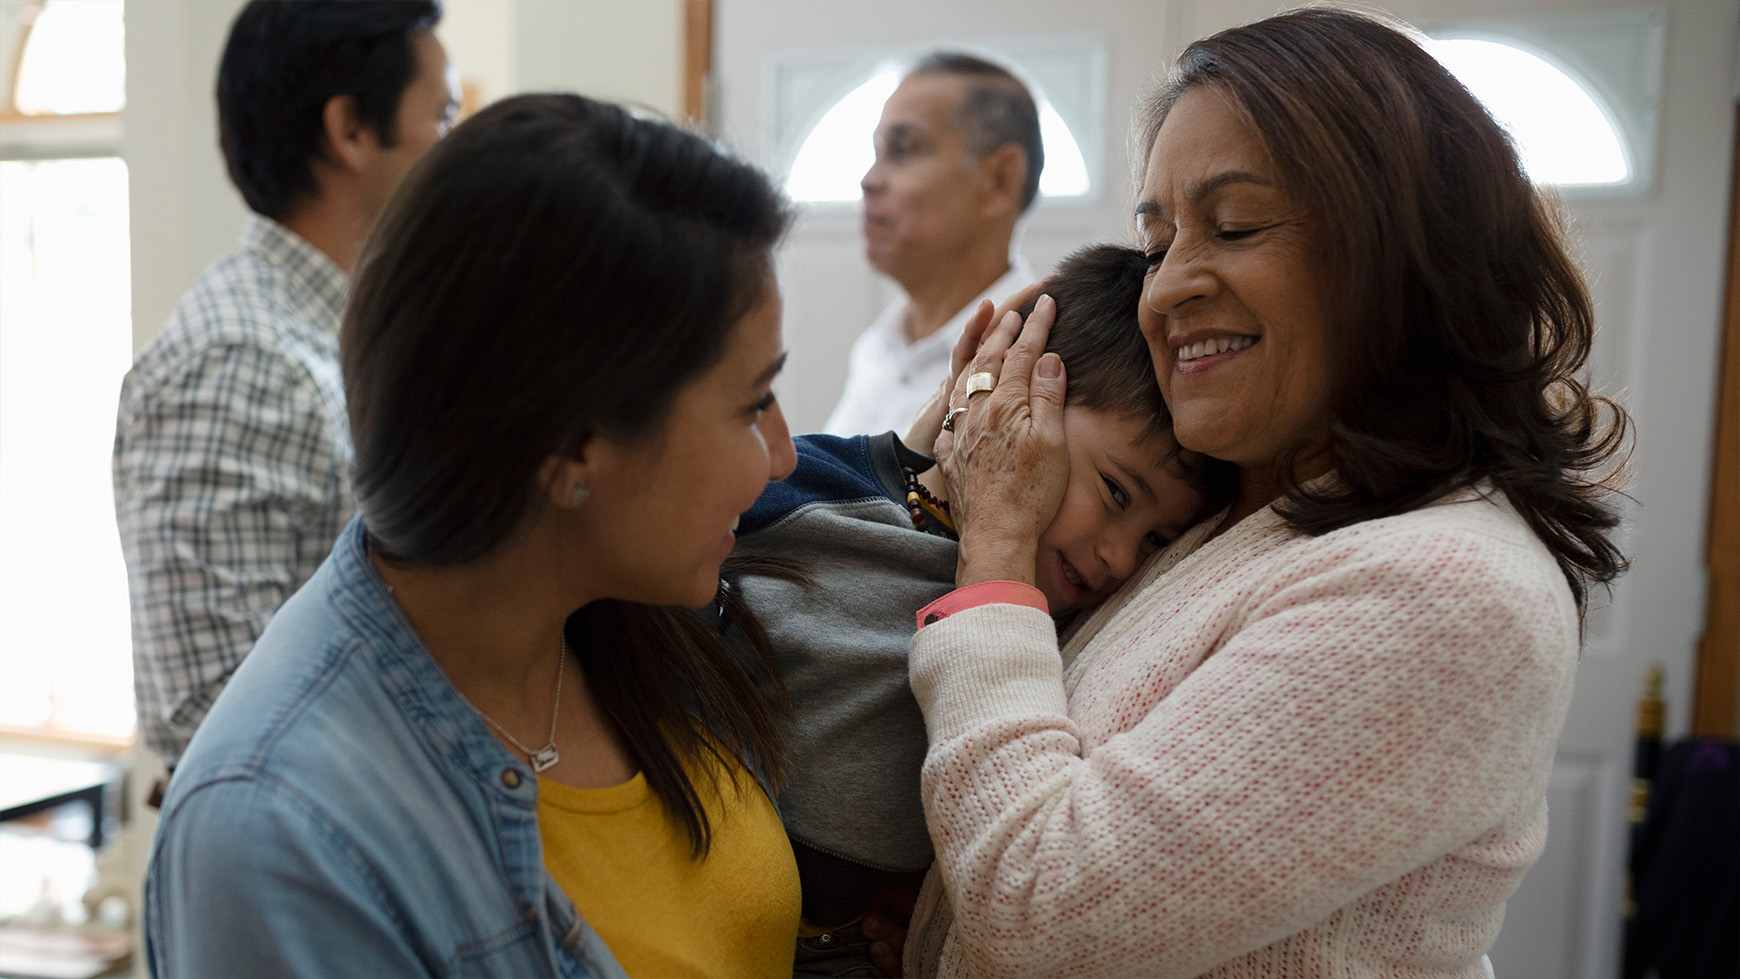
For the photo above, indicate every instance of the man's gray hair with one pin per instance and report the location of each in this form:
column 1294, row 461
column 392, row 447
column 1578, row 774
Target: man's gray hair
column 996, row 110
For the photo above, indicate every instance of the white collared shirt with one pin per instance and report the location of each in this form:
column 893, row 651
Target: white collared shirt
column 888, row 379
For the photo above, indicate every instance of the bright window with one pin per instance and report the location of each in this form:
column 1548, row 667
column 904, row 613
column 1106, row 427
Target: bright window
column 74, row 60
column 1562, row 131
column 65, row 343
column 835, row 154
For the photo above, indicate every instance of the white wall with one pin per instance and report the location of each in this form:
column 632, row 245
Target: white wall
column 184, row 212
column 626, row 52
column 479, row 38
column 610, row 49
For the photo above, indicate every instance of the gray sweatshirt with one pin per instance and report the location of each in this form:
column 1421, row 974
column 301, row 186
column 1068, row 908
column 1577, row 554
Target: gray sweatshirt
column 851, row 799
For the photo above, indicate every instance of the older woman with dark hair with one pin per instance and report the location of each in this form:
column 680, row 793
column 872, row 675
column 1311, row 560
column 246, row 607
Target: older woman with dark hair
column 1313, row 736
column 490, row 731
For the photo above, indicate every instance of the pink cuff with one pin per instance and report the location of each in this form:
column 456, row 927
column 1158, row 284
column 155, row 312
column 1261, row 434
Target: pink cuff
column 983, row 593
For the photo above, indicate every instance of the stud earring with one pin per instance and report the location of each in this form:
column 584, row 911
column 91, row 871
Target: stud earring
column 578, row 494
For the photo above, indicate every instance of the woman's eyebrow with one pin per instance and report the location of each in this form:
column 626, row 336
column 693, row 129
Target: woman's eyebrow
column 773, row 369
column 1202, row 190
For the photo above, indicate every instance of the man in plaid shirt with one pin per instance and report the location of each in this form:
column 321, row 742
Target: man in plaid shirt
column 232, row 452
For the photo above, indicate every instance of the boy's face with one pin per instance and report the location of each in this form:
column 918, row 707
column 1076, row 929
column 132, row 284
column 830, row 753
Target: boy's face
column 1120, row 506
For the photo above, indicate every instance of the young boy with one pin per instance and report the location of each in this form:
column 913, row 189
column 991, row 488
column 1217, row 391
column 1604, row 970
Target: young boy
column 835, row 560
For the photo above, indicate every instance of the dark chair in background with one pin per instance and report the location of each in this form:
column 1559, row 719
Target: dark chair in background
column 1685, row 867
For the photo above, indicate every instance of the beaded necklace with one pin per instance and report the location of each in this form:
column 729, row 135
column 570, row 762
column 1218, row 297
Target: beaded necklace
column 920, row 504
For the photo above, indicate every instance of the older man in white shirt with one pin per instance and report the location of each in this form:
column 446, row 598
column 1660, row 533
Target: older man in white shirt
column 958, row 158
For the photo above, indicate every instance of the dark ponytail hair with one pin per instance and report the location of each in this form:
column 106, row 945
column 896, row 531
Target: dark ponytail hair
column 558, row 268
column 1467, row 324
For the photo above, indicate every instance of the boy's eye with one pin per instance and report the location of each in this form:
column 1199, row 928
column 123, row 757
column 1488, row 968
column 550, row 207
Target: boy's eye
column 1121, row 498
column 761, row 405
column 1157, row 540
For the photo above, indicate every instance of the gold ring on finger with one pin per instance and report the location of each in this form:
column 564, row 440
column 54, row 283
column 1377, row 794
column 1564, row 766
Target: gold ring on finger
column 982, row 381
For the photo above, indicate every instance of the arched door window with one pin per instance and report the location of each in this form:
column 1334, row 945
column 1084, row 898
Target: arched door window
column 821, row 106
column 1565, row 135
column 837, row 151
column 71, row 59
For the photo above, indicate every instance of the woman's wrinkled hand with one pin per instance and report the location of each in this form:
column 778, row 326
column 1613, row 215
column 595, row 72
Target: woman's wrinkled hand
column 1005, row 459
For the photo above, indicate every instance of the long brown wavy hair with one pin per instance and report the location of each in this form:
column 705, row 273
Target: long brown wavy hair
column 1467, row 320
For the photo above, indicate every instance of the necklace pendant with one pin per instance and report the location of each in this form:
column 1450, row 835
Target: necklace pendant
column 544, row 757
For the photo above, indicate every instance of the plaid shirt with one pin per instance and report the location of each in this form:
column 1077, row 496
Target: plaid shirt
column 232, row 469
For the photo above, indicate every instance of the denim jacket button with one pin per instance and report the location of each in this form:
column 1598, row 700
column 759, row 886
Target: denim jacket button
column 826, row 939
column 532, row 912
column 510, row 777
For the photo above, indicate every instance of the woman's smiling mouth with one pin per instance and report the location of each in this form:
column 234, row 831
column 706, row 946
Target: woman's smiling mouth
column 1217, row 345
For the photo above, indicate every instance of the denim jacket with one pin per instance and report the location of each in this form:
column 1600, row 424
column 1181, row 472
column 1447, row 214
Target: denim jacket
column 341, row 811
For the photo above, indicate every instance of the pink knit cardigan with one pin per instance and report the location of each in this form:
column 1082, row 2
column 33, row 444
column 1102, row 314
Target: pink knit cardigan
column 1272, row 755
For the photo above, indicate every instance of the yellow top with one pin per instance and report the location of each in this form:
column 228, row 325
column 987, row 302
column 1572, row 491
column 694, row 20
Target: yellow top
column 625, row 864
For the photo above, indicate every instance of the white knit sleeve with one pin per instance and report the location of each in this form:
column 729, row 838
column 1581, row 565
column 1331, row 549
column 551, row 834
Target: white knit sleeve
column 1373, row 711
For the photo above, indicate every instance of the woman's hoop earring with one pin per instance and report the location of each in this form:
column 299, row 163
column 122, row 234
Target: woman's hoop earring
column 578, row 494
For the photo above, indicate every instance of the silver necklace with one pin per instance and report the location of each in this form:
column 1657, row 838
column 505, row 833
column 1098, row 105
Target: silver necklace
column 540, row 758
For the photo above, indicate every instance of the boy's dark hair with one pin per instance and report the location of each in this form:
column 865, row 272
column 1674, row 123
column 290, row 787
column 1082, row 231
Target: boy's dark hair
column 284, row 60
column 1106, row 359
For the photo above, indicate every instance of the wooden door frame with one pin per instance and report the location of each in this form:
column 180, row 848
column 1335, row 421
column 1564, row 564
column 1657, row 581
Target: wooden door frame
column 698, row 64
column 1716, row 700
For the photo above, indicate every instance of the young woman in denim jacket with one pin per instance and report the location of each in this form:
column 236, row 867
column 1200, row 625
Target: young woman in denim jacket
column 492, row 705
